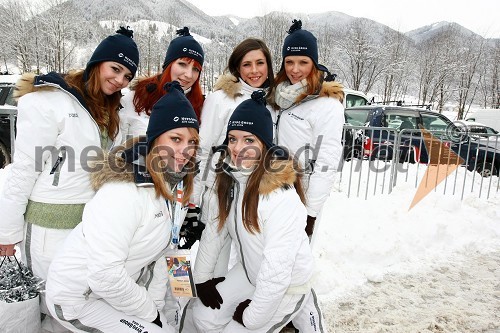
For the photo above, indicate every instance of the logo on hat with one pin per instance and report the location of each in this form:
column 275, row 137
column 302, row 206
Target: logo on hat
column 288, row 48
column 184, row 49
column 120, row 55
column 176, row 119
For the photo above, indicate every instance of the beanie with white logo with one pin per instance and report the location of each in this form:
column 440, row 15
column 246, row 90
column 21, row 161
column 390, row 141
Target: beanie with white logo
column 173, row 110
column 301, row 42
column 119, row 48
column 184, row 46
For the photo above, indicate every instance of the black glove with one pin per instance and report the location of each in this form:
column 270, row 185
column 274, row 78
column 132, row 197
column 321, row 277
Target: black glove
column 310, row 225
column 157, row 321
column 208, row 294
column 238, row 313
column 191, row 228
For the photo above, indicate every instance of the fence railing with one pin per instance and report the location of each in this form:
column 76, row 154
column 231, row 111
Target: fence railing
column 377, row 159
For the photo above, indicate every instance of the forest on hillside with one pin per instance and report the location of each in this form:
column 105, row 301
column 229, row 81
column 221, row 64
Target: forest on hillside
column 451, row 65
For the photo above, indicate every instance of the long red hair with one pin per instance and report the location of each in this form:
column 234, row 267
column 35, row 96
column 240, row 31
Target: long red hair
column 149, row 90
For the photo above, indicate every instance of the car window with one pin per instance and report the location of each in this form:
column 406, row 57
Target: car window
column 356, row 117
column 354, row 100
column 400, row 121
column 6, row 93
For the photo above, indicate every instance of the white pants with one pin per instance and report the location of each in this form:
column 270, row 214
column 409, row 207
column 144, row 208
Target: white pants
column 303, row 310
column 37, row 250
column 98, row 316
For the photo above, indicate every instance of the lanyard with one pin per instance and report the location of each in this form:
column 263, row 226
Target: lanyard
column 176, row 210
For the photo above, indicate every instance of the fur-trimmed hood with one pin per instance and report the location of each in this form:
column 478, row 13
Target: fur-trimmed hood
column 112, row 168
column 283, row 175
column 333, row 90
column 30, row 82
column 229, row 84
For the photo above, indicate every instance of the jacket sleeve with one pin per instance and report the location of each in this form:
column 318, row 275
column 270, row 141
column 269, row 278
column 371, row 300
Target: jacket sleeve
column 110, row 220
column 211, row 243
column 284, row 220
column 37, row 130
column 157, row 285
column 213, row 123
column 131, row 124
column 327, row 138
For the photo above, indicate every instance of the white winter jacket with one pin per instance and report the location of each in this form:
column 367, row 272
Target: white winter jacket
column 48, row 116
column 131, row 123
column 117, row 252
column 218, row 107
column 276, row 260
column 312, row 131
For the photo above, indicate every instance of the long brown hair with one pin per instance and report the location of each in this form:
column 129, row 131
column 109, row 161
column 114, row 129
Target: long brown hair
column 103, row 108
column 225, row 191
column 157, row 168
column 149, row 90
column 314, row 83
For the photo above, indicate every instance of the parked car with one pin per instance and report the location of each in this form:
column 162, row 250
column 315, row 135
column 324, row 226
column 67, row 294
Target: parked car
column 391, row 127
column 485, row 134
column 7, row 108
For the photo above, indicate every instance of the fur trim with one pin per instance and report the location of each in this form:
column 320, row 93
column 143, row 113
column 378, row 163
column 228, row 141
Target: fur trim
column 113, row 168
column 24, row 85
column 283, row 175
column 333, row 90
column 229, row 84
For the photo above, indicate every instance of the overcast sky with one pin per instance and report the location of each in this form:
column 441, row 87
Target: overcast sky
column 480, row 16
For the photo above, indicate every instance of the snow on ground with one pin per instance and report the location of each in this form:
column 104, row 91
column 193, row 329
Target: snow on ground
column 384, row 268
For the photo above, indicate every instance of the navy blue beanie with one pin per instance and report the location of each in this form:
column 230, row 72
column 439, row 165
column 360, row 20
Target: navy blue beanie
column 119, row 48
column 252, row 116
column 184, row 46
column 301, row 43
column 173, row 110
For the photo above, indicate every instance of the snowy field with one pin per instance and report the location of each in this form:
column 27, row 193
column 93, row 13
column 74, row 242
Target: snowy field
column 384, row 268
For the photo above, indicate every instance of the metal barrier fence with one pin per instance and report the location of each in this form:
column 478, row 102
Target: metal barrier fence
column 376, row 159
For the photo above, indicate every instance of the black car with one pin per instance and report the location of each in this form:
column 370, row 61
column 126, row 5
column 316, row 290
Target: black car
column 392, row 129
column 7, row 112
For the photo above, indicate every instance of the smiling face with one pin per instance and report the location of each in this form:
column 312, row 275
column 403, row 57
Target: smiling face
column 298, row 68
column 185, row 71
column 253, row 68
column 176, row 147
column 113, row 77
column 245, row 148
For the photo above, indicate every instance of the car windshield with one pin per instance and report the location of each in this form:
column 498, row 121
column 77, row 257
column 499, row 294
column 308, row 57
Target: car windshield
column 356, row 117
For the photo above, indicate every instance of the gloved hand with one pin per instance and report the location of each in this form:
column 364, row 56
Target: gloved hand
column 157, row 321
column 208, row 294
column 191, row 228
column 238, row 313
column 310, row 225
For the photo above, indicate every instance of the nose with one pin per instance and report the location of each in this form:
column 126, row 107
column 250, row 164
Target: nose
column 254, row 68
column 120, row 79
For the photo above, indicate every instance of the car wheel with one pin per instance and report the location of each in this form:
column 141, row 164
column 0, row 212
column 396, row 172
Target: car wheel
column 4, row 156
column 487, row 169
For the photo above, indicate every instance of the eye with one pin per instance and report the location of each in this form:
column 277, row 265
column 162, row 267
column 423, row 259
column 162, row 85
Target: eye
column 196, row 69
column 115, row 69
column 232, row 140
column 175, row 139
column 128, row 77
column 193, row 142
column 249, row 140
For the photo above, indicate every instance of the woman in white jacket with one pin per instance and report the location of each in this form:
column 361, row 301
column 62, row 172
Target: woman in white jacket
column 260, row 206
column 183, row 63
column 63, row 122
column 111, row 275
column 308, row 117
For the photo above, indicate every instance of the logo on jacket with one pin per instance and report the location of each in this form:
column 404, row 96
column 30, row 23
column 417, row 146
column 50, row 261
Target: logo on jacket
column 160, row 214
column 294, row 116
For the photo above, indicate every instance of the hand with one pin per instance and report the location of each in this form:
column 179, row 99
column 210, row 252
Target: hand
column 191, row 228
column 238, row 313
column 7, row 250
column 208, row 294
column 310, row 225
column 157, row 321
